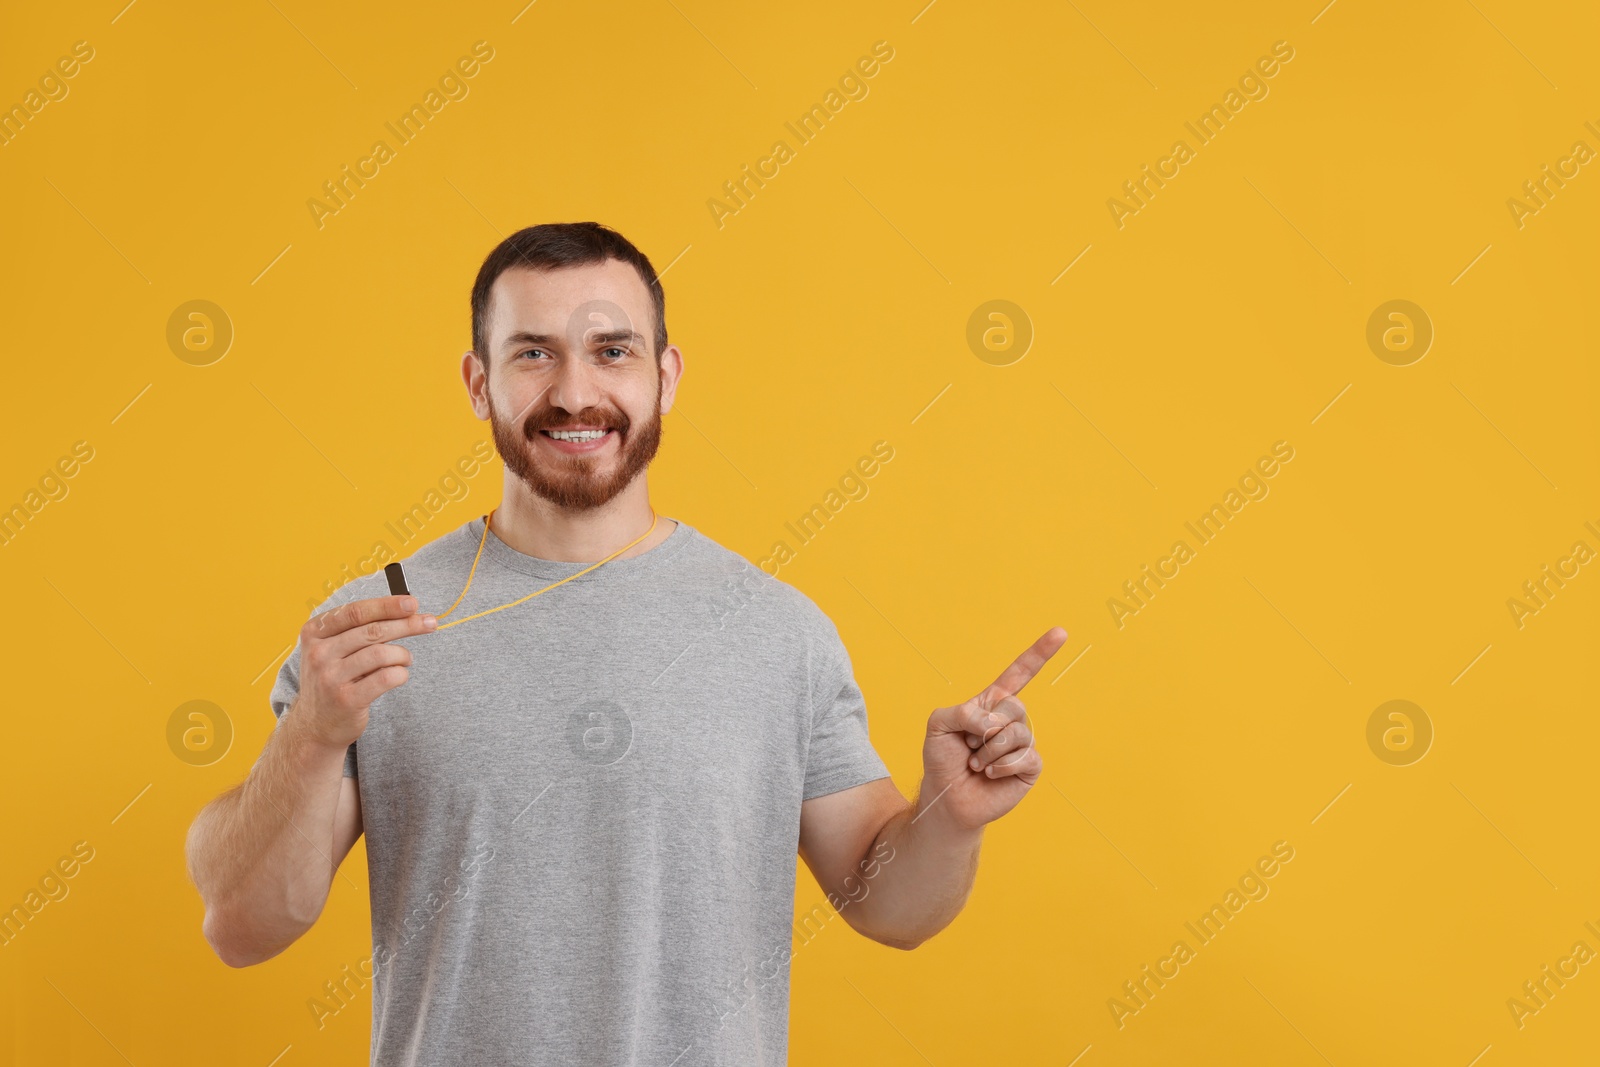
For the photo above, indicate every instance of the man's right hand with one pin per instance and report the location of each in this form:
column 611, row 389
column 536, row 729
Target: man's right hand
column 346, row 662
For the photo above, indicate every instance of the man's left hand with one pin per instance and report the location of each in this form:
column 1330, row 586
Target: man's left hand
column 978, row 760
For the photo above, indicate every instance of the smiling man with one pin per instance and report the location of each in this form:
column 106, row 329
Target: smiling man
column 583, row 773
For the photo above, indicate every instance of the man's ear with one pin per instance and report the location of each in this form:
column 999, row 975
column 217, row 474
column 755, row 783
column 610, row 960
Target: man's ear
column 473, row 375
column 671, row 371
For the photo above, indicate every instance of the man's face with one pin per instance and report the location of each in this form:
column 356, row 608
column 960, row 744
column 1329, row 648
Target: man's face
column 570, row 353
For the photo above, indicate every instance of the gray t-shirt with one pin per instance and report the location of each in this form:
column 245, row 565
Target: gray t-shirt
column 582, row 813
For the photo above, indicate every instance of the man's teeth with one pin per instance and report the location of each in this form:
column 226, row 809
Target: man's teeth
column 577, row 435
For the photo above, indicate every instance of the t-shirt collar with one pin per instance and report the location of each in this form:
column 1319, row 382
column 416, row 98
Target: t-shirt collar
column 503, row 554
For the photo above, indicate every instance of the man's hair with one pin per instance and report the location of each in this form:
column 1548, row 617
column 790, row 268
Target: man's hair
column 553, row 245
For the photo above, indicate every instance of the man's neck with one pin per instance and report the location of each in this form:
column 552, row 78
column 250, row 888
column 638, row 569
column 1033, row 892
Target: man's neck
column 535, row 527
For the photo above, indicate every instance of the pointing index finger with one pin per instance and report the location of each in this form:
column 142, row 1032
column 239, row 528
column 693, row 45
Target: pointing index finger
column 1021, row 672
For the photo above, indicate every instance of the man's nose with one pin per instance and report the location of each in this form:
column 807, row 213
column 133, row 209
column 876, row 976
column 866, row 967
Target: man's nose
column 575, row 387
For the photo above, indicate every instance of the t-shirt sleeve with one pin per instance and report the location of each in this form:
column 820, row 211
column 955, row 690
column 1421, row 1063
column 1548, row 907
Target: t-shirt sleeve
column 287, row 687
column 841, row 754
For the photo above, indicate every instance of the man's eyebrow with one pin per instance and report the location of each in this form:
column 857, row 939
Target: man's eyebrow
column 524, row 337
column 611, row 337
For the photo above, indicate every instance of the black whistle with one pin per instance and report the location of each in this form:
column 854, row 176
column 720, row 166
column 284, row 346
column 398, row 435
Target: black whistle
column 397, row 579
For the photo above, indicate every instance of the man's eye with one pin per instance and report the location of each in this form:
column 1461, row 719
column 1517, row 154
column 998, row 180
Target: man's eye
column 532, row 351
column 619, row 351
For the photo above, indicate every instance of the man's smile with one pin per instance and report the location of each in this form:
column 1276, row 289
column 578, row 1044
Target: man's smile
column 580, row 441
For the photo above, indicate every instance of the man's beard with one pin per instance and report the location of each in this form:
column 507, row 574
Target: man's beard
column 571, row 481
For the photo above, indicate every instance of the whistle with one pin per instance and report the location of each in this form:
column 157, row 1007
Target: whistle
column 397, row 579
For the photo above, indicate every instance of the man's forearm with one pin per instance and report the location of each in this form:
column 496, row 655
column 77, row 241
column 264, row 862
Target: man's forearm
column 261, row 855
column 916, row 877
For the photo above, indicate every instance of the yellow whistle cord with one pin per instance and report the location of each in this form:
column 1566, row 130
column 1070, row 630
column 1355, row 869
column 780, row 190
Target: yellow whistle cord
column 530, row 596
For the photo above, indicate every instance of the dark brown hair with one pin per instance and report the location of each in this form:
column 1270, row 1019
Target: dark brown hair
column 552, row 245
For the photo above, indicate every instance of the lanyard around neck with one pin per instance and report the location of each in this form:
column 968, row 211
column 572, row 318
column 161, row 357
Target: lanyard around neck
column 482, row 540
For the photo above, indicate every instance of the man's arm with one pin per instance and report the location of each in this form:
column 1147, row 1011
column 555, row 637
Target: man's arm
column 899, row 872
column 263, row 855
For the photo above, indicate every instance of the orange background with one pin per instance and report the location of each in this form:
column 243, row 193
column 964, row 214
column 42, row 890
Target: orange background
column 831, row 311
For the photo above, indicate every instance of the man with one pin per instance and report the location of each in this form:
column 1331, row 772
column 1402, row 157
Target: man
column 582, row 786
